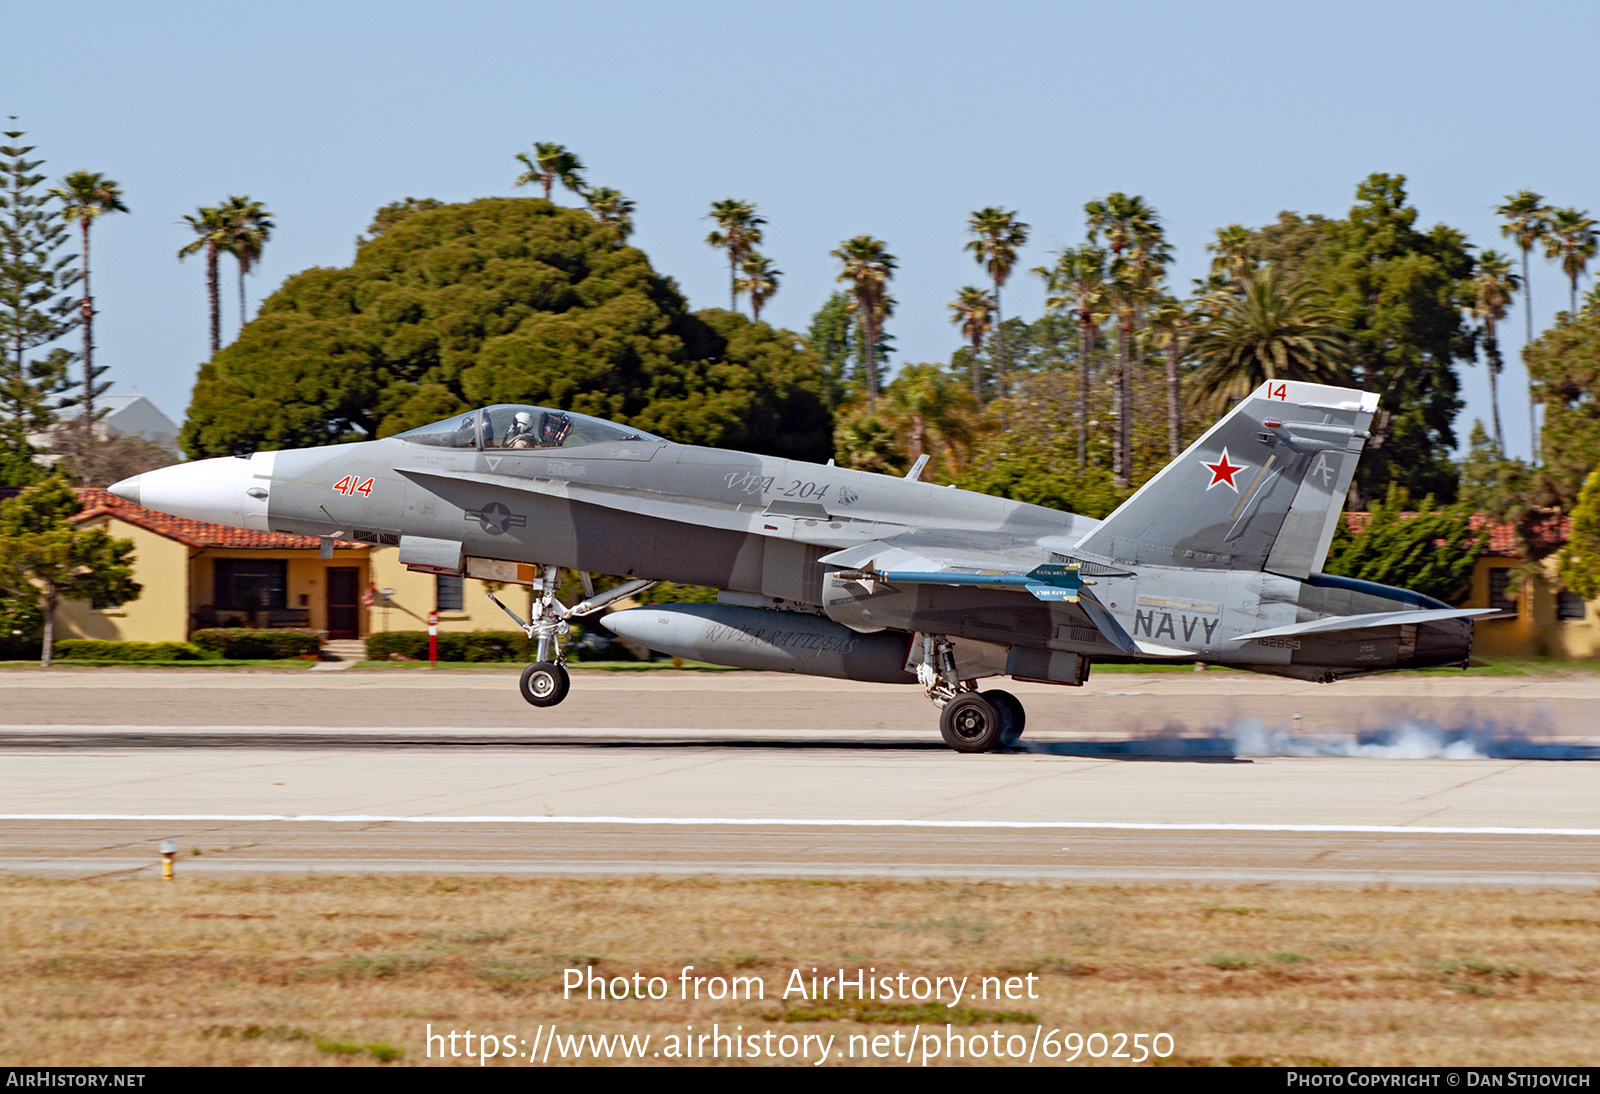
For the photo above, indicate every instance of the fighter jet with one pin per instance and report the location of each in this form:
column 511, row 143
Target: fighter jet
column 842, row 573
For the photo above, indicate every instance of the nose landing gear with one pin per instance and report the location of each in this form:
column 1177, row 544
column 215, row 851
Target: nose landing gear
column 546, row 682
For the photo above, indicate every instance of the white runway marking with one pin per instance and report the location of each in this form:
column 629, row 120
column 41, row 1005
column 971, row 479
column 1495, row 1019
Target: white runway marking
column 1378, row 829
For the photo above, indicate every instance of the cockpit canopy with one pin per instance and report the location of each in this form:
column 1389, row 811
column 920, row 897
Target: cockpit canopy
column 516, row 427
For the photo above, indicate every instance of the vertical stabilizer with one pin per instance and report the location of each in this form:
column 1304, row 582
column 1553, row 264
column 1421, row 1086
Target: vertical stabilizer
column 1261, row 490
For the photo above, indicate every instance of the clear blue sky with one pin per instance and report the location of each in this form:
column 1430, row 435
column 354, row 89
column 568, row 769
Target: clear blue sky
column 894, row 119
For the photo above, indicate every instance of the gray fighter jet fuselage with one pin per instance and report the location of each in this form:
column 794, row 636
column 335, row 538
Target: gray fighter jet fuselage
column 844, row 573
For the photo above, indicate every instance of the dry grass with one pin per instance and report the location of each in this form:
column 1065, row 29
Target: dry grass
column 350, row 970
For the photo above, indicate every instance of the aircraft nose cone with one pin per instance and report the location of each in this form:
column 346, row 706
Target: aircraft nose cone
column 127, row 489
column 216, row 491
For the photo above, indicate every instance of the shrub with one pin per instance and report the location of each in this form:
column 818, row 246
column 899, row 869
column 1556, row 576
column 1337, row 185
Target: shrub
column 485, row 647
column 78, row 649
column 245, row 644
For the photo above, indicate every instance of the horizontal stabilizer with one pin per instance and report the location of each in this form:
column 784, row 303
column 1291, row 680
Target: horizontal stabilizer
column 1368, row 622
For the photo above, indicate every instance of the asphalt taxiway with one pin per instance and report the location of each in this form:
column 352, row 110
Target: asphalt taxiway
column 1204, row 777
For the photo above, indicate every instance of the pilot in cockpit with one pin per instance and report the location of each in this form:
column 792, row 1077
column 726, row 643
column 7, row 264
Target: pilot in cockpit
column 551, row 431
column 521, row 434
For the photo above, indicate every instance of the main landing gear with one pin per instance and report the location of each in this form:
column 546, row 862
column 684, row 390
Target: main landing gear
column 546, row 682
column 969, row 720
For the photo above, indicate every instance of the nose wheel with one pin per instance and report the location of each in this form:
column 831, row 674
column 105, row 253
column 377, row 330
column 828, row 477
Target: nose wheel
column 545, row 683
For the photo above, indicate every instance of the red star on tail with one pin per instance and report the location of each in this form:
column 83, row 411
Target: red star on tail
column 1223, row 472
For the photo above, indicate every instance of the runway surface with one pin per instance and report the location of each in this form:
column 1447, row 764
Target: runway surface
column 1430, row 780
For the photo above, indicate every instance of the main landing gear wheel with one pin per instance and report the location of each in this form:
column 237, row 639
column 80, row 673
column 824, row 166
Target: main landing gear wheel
column 545, row 683
column 1012, row 717
column 971, row 723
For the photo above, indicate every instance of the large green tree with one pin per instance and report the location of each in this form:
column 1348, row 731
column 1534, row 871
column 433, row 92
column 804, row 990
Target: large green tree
column 1400, row 291
column 35, row 306
column 1564, row 364
column 502, row 300
column 1580, row 559
column 1034, row 460
column 1425, row 548
column 44, row 554
column 835, row 338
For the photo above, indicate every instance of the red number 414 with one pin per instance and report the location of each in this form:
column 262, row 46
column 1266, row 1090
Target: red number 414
column 354, row 484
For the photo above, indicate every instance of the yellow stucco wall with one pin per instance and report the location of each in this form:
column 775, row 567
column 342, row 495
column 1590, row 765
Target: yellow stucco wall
column 1537, row 631
column 414, row 598
column 177, row 580
column 305, row 582
column 161, row 614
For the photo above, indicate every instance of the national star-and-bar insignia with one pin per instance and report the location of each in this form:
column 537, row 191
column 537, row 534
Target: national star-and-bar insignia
column 1223, row 471
column 496, row 519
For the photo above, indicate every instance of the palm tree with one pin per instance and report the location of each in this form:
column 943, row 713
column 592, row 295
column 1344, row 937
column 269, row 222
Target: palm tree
column 1276, row 329
column 1078, row 283
column 249, row 228
column 1493, row 285
column 610, row 207
column 868, row 266
column 1526, row 221
column 760, row 281
column 1139, row 253
column 972, row 311
column 1124, row 296
column 998, row 234
column 1572, row 239
column 738, row 231
column 1168, row 327
column 549, row 163
column 212, row 234
column 85, row 195
column 933, row 410
column 1232, row 249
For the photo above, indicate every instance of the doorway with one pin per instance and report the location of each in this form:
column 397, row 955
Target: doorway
column 344, row 583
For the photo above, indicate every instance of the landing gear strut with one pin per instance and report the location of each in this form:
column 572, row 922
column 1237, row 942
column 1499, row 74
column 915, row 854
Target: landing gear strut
column 546, row 682
column 969, row 720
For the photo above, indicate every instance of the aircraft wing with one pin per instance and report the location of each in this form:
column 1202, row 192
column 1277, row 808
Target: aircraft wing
column 1368, row 622
column 894, row 562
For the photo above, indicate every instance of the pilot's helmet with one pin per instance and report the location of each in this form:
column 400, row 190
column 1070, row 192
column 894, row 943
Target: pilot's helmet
column 524, row 421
